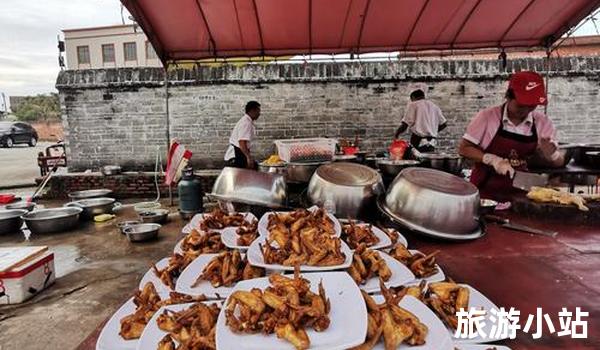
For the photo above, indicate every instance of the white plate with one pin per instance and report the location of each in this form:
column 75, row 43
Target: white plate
column 152, row 335
column 109, row 338
column 255, row 257
column 195, row 222
column 150, row 276
column 479, row 301
column 264, row 222
column 437, row 336
column 190, row 274
column 400, row 275
column 229, row 238
column 384, row 240
column 344, row 332
column 459, row 346
column 438, row 277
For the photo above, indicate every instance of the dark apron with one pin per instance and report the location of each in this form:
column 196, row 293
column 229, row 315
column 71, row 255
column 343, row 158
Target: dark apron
column 514, row 147
column 239, row 161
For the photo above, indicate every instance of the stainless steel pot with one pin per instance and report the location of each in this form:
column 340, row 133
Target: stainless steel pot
column 109, row 170
column 433, row 203
column 451, row 163
column 302, row 172
column 11, row 221
column 95, row 206
column 158, row 216
column 142, row 232
column 86, row 194
column 391, row 168
column 52, row 220
column 350, row 189
column 249, row 187
column 29, row 206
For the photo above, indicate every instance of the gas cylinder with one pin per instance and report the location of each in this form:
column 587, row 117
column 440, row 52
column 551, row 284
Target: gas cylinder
column 190, row 194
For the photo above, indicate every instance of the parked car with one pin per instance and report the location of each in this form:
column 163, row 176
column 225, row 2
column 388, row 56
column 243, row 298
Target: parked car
column 12, row 133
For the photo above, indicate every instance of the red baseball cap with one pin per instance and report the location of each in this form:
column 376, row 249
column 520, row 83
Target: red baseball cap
column 529, row 88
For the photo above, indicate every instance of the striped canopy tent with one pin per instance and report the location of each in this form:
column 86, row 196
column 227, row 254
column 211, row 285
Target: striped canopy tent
column 193, row 30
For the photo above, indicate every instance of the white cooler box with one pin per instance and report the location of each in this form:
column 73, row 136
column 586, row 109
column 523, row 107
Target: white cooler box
column 24, row 272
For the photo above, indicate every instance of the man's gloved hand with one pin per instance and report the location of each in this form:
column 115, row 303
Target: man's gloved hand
column 548, row 149
column 501, row 165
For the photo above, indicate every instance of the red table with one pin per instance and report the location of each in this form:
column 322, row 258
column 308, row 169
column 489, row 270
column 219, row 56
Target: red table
column 524, row 271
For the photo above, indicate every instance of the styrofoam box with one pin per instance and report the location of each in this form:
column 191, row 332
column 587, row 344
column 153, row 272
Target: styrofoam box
column 25, row 281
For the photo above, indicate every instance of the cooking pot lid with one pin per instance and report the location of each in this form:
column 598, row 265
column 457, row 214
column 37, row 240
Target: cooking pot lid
column 347, row 174
column 438, row 180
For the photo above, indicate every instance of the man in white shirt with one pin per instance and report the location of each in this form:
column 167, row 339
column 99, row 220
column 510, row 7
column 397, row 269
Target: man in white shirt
column 238, row 152
column 424, row 119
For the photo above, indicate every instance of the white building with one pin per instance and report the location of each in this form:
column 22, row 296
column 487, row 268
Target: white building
column 109, row 47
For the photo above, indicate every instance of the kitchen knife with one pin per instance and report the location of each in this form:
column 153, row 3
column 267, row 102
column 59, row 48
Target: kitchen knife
column 519, row 227
column 524, row 180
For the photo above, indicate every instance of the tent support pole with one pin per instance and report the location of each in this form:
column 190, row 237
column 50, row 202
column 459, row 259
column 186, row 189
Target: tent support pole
column 168, row 122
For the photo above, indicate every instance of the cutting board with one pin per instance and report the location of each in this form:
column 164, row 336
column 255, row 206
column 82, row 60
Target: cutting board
column 556, row 212
column 12, row 257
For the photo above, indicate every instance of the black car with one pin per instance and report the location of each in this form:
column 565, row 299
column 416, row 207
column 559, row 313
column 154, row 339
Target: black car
column 12, row 133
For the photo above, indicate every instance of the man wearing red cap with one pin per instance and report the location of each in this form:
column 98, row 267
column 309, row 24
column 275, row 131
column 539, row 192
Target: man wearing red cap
column 502, row 139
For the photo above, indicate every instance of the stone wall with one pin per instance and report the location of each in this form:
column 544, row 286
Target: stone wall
column 119, row 116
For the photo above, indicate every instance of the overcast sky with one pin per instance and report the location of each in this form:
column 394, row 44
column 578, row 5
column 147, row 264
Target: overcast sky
column 28, row 30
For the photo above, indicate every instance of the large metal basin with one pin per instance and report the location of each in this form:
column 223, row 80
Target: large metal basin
column 351, row 188
column 433, row 203
column 391, row 168
column 94, row 206
column 52, row 220
column 302, row 172
column 250, row 187
column 86, row 194
column 10, row 220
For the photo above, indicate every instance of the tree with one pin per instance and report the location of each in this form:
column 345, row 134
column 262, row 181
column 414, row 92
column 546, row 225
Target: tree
column 38, row 108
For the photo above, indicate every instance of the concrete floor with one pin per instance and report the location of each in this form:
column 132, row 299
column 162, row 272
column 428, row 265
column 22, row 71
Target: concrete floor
column 18, row 165
column 97, row 269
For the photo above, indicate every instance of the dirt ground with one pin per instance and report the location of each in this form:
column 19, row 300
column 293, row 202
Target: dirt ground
column 97, row 269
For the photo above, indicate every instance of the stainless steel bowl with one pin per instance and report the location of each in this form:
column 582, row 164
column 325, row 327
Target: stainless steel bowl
column 122, row 224
column 142, row 232
column 302, row 172
column 391, row 168
column 11, row 221
column 94, row 206
column 487, row 206
column 52, row 220
column 86, row 194
column 158, row 216
column 434, row 203
column 29, row 206
column 351, row 188
column 451, row 163
column 109, row 170
column 249, row 187
column 273, row 169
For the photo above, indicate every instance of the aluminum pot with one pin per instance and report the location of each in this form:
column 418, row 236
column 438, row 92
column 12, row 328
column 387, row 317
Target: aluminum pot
column 302, row 172
column 142, row 232
column 391, row 168
column 451, row 163
column 29, row 206
column 252, row 187
column 86, row 194
column 52, row 220
column 11, row 221
column 109, row 170
column 95, row 206
column 158, row 216
column 433, row 203
column 349, row 189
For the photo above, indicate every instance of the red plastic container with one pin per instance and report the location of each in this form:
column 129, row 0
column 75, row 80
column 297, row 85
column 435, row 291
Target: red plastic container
column 6, row 198
column 397, row 149
column 350, row 150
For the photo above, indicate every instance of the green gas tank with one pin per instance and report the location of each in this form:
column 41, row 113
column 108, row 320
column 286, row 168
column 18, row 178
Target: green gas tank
column 190, row 194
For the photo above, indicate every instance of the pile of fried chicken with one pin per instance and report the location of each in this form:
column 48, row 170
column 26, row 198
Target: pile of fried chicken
column 302, row 237
column 247, row 233
column 391, row 322
column 169, row 274
column 550, row 195
column 446, row 298
column 421, row 265
column 228, row 268
column 355, row 235
column 201, row 242
column 219, row 219
column 367, row 263
column 192, row 328
column 147, row 302
column 285, row 308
